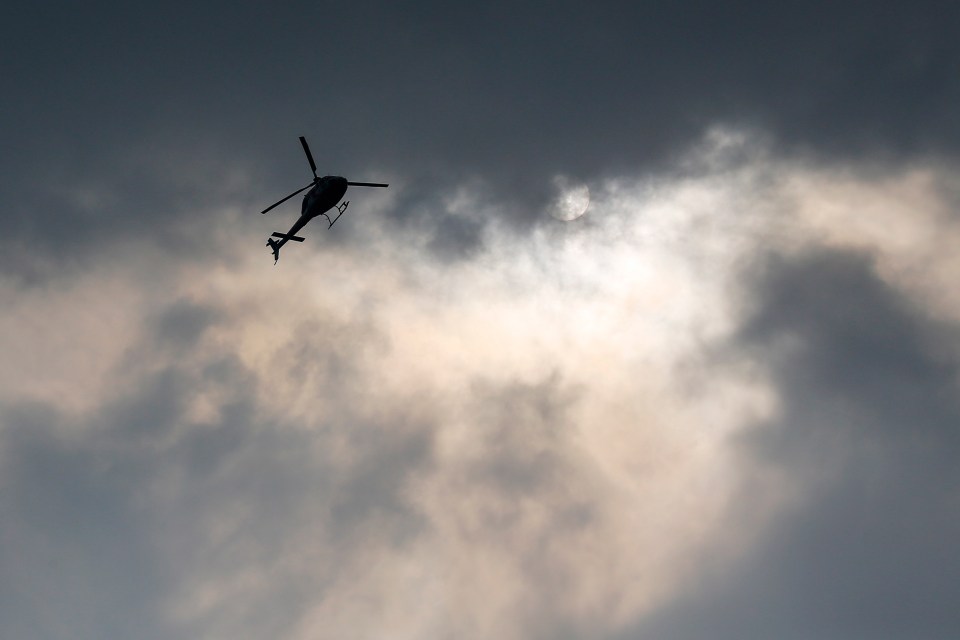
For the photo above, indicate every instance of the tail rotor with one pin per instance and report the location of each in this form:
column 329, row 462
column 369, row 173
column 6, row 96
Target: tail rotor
column 275, row 246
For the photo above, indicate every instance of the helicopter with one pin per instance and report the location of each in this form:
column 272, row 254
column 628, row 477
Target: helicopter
column 324, row 195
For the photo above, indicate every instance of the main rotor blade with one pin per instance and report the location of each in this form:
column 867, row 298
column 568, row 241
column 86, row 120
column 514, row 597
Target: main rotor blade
column 367, row 184
column 287, row 198
column 306, row 150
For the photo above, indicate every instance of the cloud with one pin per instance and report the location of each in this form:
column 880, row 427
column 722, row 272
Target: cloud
column 288, row 452
column 118, row 140
column 173, row 494
column 717, row 404
column 643, row 422
column 865, row 437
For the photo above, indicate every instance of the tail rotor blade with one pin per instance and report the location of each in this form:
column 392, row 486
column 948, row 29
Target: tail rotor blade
column 367, row 184
column 306, row 150
column 279, row 202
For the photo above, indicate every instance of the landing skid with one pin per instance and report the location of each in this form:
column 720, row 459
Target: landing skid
column 341, row 208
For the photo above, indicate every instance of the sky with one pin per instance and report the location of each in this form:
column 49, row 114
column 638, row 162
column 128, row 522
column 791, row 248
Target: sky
column 654, row 335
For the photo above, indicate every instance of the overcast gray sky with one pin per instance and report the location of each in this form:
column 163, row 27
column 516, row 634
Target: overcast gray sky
column 655, row 334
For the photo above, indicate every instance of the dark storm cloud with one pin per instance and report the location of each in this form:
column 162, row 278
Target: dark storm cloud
column 437, row 94
column 868, row 436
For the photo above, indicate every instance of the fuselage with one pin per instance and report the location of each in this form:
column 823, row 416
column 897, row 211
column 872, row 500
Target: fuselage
column 323, row 196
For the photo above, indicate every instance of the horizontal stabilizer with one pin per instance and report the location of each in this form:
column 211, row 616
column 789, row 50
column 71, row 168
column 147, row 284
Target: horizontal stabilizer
column 277, row 234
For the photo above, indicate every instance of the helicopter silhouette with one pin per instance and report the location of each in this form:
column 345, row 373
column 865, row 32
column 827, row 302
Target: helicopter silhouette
column 325, row 194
